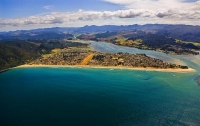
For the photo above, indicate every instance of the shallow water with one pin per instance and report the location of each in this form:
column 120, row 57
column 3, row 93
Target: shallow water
column 100, row 97
column 111, row 48
column 80, row 96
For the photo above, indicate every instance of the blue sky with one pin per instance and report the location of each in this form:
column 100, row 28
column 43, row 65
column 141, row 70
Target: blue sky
column 23, row 8
column 29, row 14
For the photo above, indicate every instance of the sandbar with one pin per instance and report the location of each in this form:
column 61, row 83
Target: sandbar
column 189, row 70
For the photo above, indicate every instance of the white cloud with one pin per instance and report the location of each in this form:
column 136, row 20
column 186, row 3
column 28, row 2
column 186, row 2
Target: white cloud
column 136, row 11
column 155, row 4
column 81, row 15
column 48, row 7
column 67, row 17
column 165, row 9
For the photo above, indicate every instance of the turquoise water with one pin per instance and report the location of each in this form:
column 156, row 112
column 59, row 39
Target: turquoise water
column 100, row 97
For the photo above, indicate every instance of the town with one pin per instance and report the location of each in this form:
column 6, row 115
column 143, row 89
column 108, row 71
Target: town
column 85, row 56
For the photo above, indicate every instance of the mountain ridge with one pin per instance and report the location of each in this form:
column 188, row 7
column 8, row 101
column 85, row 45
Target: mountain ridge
column 189, row 33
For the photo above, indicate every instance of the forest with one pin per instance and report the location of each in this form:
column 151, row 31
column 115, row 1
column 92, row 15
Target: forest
column 18, row 52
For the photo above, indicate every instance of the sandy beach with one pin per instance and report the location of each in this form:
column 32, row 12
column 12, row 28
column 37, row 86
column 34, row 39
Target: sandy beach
column 82, row 41
column 114, row 67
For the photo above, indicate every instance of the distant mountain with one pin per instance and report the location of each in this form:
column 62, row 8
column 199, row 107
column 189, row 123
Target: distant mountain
column 55, row 29
column 36, row 34
column 113, row 28
column 92, row 28
column 182, row 32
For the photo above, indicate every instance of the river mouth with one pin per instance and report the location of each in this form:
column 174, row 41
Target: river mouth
column 192, row 61
column 176, row 59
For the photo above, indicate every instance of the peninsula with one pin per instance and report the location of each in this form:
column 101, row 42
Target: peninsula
column 85, row 57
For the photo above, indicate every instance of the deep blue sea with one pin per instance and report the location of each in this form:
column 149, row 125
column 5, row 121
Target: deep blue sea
column 100, row 97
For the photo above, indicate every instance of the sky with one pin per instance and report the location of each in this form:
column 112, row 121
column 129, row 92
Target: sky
column 32, row 14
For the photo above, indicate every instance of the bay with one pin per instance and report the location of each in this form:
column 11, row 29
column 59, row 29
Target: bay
column 100, row 97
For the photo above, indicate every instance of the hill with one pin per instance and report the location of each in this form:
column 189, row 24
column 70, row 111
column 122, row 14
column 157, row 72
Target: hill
column 183, row 32
column 18, row 52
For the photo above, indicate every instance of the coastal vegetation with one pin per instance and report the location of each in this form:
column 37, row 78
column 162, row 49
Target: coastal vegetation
column 18, row 52
column 147, row 40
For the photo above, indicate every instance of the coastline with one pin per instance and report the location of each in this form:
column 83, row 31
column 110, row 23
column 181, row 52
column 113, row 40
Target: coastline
column 82, row 41
column 1, row 71
column 189, row 70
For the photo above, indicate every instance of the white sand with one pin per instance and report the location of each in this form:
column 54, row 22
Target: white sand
column 115, row 67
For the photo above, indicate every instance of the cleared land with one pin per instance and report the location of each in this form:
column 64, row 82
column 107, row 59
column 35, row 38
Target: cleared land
column 87, row 59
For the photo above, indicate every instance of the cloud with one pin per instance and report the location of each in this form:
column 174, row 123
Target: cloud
column 155, row 4
column 160, row 6
column 67, row 17
column 164, row 11
column 48, row 7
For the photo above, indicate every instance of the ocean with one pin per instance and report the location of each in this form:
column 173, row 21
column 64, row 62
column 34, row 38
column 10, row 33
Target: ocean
column 100, row 97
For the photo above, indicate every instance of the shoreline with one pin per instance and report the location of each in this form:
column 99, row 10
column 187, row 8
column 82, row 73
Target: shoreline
column 162, row 51
column 82, row 41
column 1, row 71
column 189, row 70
